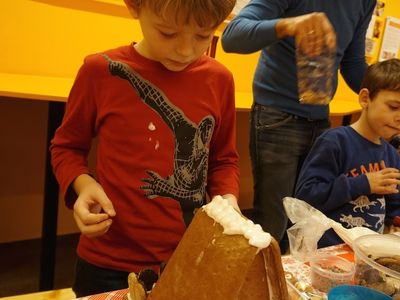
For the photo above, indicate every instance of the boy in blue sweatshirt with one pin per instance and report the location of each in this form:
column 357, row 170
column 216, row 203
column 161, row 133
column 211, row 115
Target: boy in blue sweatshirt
column 352, row 173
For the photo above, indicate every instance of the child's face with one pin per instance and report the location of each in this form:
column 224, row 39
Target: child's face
column 174, row 46
column 383, row 113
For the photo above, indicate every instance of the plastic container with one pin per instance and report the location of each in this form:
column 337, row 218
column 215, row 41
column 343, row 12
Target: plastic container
column 376, row 256
column 355, row 292
column 328, row 271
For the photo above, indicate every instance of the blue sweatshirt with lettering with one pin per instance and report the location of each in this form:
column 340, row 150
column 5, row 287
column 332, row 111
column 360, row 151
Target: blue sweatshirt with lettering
column 333, row 180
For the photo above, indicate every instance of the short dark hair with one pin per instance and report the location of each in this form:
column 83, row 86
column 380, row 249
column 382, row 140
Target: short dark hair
column 384, row 75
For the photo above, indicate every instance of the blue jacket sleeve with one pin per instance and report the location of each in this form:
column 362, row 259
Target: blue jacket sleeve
column 353, row 65
column 322, row 182
column 254, row 27
column 393, row 206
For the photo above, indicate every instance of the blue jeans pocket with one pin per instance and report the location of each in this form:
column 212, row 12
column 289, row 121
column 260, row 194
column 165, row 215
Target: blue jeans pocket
column 268, row 117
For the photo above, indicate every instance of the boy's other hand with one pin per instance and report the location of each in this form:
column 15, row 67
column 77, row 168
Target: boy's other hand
column 384, row 181
column 232, row 201
column 394, row 229
column 93, row 210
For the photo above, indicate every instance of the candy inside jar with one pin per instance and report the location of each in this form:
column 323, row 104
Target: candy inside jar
column 328, row 271
column 315, row 76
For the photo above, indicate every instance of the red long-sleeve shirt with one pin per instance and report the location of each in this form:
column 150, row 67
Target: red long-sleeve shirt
column 164, row 139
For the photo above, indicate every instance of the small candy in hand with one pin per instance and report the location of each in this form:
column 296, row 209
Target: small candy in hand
column 148, row 278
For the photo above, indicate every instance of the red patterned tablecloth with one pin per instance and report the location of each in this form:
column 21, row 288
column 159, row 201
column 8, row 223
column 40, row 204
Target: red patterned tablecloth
column 297, row 268
column 115, row 295
column 302, row 271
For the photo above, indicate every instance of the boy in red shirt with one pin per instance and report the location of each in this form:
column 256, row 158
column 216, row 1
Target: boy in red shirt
column 164, row 116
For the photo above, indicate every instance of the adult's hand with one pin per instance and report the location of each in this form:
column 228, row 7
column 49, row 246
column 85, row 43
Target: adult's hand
column 312, row 32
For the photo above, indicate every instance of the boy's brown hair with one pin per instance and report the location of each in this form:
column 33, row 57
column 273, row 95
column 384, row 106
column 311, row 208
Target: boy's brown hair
column 206, row 13
column 383, row 75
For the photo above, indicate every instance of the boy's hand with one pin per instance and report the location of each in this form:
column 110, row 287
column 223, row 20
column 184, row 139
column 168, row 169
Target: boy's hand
column 394, row 229
column 384, row 181
column 92, row 210
column 232, row 201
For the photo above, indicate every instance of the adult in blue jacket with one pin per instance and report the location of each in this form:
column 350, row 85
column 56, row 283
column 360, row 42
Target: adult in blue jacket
column 282, row 130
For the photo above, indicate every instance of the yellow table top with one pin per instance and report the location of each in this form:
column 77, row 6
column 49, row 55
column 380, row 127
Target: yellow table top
column 57, row 89
column 35, row 87
column 341, row 107
column 337, row 107
column 62, row 294
column 243, row 100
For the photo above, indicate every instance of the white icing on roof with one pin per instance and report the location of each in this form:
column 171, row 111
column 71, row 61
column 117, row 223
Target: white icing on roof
column 233, row 223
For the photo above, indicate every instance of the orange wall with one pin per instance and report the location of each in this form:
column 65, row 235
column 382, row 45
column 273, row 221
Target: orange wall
column 51, row 37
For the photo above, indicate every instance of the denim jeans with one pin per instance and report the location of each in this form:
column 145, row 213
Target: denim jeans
column 91, row 279
column 279, row 143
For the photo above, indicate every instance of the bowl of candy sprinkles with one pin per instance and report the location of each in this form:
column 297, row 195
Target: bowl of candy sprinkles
column 328, row 271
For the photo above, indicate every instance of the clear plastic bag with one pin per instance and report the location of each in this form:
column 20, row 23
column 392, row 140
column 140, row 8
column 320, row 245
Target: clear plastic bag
column 315, row 76
column 309, row 226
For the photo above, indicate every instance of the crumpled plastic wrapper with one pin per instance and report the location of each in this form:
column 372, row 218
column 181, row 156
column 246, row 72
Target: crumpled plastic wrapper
column 309, row 226
column 315, row 76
